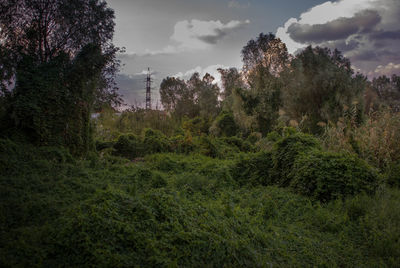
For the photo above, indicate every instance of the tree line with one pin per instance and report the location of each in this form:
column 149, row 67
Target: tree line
column 309, row 90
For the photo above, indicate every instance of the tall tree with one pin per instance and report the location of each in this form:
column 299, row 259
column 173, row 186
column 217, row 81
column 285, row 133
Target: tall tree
column 190, row 98
column 263, row 60
column 177, row 97
column 267, row 51
column 321, row 87
column 45, row 29
column 60, row 55
column 206, row 94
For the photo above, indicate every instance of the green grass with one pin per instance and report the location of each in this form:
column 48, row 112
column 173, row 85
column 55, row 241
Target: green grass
column 180, row 210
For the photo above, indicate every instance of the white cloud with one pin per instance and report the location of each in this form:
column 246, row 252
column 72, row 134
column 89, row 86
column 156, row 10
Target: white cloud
column 197, row 35
column 388, row 69
column 366, row 31
column 321, row 14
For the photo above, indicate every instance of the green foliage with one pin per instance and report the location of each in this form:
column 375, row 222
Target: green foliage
column 129, row 146
column 262, row 100
column 285, row 152
column 182, row 143
column 155, row 141
column 320, row 87
column 393, row 175
column 196, row 126
column 181, row 210
column 195, row 97
column 51, row 111
column 224, row 125
column 326, row 175
column 253, row 169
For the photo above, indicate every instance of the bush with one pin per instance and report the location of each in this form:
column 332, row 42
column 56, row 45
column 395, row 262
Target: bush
column 155, row 141
column 182, row 143
column 327, row 175
column 393, row 175
column 197, row 126
column 253, row 169
column 224, row 125
column 129, row 146
column 242, row 145
column 254, row 137
column 101, row 145
column 377, row 140
column 285, row 152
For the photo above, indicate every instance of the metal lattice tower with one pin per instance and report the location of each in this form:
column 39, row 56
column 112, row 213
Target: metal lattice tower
column 148, row 89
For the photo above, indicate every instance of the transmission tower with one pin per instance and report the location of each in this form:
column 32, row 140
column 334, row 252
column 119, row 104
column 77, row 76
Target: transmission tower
column 148, row 89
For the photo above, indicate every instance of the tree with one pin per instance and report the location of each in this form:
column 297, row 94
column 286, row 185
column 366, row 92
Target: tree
column 191, row 98
column 388, row 90
column 231, row 80
column 53, row 101
column 262, row 99
column 177, row 97
column 267, row 51
column 320, row 87
column 60, row 55
column 206, row 94
column 46, row 29
column 263, row 61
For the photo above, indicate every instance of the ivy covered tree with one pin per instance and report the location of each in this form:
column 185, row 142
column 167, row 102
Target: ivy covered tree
column 58, row 65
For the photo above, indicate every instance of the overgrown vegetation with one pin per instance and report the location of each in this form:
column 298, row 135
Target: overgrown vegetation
column 295, row 162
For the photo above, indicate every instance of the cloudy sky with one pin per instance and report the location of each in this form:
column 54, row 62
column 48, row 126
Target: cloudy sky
column 179, row 37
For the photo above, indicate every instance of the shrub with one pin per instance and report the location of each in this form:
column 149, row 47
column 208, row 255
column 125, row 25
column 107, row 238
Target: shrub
column 254, row 137
column 253, row 169
column 285, row 152
column 207, row 146
column 197, row 126
column 393, row 175
column 101, row 145
column 328, row 175
column 224, row 125
column 242, row 145
column 155, row 141
column 182, row 143
column 129, row 146
column 377, row 140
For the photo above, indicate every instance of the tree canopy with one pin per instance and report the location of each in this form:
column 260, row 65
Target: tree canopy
column 57, row 65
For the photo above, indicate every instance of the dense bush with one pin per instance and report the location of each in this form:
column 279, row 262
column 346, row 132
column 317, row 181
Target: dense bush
column 182, row 143
column 224, row 125
column 327, row 175
column 393, row 175
column 155, row 141
column 377, row 140
column 129, row 146
column 253, row 169
column 285, row 152
column 182, row 210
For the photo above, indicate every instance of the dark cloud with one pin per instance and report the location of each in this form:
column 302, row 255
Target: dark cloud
column 378, row 35
column 342, row 45
column 213, row 39
column 340, row 28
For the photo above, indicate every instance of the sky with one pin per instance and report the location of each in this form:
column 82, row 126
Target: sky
column 180, row 37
